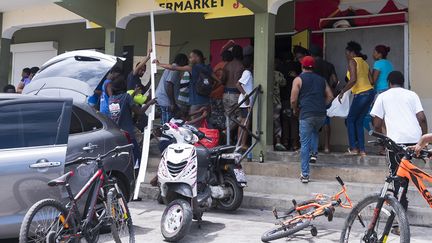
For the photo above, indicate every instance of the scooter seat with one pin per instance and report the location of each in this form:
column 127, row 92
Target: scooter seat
column 62, row 180
column 222, row 149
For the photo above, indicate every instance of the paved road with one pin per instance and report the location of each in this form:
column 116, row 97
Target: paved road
column 242, row 226
column 245, row 225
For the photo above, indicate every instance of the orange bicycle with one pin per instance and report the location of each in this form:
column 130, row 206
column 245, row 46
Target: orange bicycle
column 375, row 215
column 300, row 216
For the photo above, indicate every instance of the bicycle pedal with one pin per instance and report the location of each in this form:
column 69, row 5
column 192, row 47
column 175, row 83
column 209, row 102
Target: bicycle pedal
column 294, row 202
column 329, row 212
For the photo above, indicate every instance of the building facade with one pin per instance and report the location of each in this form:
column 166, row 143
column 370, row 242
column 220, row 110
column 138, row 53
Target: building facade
column 121, row 27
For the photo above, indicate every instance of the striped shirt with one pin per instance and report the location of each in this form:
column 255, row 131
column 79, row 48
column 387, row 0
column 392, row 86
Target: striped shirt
column 183, row 96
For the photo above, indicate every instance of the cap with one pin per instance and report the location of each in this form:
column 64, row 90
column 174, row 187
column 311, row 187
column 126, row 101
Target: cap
column 308, row 62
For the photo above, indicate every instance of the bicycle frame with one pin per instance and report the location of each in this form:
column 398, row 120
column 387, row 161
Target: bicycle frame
column 94, row 185
column 412, row 173
column 406, row 171
column 320, row 208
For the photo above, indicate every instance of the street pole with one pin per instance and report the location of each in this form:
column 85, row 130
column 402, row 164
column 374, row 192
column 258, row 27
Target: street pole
column 147, row 130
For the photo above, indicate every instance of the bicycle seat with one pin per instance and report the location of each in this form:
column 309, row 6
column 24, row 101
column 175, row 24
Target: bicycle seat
column 62, row 180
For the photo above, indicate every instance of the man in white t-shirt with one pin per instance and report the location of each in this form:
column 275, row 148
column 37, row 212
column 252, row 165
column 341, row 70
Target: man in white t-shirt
column 245, row 87
column 402, row 112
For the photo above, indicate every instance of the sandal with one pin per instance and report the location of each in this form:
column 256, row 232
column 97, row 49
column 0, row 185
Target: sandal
column 353, row 152
column 363, row 154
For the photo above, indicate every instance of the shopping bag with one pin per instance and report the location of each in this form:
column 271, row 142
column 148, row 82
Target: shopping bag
column 340, row 109
column 213, row 134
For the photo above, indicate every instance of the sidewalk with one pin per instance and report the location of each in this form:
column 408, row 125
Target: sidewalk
column 242, row 226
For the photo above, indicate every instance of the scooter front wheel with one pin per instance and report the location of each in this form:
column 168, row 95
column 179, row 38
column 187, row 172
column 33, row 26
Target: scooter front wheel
column 176, row 220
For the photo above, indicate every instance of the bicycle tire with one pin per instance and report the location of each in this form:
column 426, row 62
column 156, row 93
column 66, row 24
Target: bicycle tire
column 280, row 232
column 400, row 216
column 32, row 212
column 114, row 202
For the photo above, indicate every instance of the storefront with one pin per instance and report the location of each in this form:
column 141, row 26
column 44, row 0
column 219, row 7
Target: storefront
column 123, row 28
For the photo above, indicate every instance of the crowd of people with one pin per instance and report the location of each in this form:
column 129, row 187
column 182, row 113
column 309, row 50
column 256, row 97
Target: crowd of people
column 26, row 77
column 378, row 93
column 304, row 86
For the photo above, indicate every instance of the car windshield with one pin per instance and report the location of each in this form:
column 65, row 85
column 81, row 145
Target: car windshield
column 87, row 69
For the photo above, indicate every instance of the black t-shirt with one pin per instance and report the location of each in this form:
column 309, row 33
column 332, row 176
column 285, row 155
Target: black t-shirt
column 324, row 69
column 132, row 81
column 285, row 69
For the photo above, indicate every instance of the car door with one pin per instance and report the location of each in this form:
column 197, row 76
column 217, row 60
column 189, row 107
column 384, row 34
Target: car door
column 85, row 140
column 84, row 135
column 33, row 144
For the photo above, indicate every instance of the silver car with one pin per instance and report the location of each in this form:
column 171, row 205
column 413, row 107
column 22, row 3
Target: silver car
column 74, row 75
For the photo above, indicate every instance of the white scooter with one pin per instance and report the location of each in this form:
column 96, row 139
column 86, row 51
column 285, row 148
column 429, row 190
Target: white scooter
column 194, row 179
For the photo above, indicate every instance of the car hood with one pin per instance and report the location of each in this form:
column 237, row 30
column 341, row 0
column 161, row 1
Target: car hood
column 72, row 74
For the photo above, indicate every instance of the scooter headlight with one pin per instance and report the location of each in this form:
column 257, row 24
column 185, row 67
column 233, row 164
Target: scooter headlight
column 188, row 136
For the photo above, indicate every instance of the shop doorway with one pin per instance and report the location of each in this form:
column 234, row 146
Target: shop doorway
column 282, row 45
column 392, row 36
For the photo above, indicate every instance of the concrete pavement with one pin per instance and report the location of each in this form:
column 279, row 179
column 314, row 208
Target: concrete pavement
column 244, row 225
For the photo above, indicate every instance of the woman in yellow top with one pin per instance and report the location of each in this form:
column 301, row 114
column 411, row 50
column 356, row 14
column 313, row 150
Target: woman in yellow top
column 360, row 83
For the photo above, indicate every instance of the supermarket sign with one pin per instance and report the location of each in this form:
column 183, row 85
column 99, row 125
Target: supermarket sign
column 211, row 8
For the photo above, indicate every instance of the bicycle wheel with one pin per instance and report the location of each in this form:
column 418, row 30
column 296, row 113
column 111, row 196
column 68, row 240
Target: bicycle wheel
column 45, row 222
column 357, row 222
column 121, row 221
column 284, row 231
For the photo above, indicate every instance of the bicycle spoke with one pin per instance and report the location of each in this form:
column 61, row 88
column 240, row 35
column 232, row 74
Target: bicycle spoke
column 360, row 225
column 121, row 222
column 43, row 222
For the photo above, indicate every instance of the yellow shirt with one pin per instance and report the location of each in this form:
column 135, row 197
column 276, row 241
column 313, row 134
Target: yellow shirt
column 362, row 84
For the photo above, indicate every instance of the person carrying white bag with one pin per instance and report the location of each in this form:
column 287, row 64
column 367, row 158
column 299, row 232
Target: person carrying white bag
column 340, row 109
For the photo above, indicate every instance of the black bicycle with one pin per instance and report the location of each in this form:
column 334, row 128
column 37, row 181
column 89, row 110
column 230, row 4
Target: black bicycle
column 49, row 221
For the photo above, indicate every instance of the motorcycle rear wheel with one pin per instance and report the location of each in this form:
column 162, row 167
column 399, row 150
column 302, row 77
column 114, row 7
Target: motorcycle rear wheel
column 176, row 220
column 234, row 201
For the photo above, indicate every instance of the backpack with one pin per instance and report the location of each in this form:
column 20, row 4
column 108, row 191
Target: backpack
column 204, row 84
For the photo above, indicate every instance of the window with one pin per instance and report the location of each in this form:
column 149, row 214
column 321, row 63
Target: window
column 31, row 124
column 89, row 122
column 75, row 125
column 86, row 69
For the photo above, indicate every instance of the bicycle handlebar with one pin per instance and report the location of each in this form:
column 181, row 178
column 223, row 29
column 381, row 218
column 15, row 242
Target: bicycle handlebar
column 340, row 181
column 392, row 145
column 117, row 149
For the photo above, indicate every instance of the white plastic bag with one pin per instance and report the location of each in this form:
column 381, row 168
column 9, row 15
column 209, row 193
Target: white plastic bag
column 340, row 109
